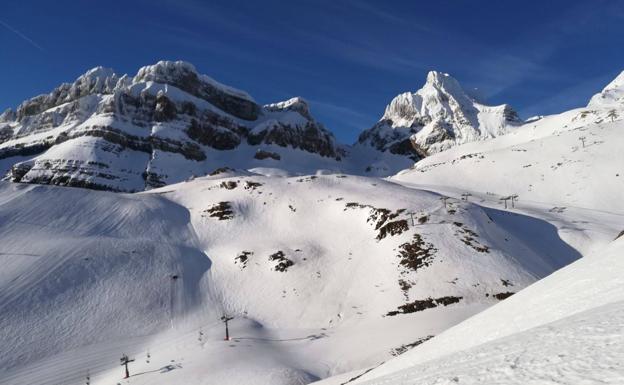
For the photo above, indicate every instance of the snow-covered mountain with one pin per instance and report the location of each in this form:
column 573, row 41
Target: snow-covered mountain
column 169, row 123
column 436, row 117
column 327, row 275
column 570, row 159
column 161, row 126
column 565, row 169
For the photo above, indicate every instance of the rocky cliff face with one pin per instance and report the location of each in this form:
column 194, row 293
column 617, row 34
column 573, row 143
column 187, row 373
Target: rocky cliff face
column 161, row 126
column 434, row 118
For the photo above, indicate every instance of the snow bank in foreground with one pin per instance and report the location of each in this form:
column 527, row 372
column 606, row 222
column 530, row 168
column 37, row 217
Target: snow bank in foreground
column 566, row 327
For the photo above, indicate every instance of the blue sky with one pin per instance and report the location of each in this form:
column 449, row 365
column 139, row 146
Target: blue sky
column 348, row 58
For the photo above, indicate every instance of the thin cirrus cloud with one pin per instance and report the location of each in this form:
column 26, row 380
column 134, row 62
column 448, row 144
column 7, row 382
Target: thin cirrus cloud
column 575, row 96
column 529, row 57
column 387, row 16
column 362, row 50
column 210, row 14
column 362, row 53
column 350, row 121
column 22, row 36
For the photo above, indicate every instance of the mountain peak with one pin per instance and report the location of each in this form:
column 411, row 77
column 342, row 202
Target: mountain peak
column 434, row 99
column 184, row 75
column 99, row 72
column 613, row 93
column 444, row 80
column 297, row 104
column 96, row 80
column 437, row 116
column 435, row 76
column 165, row 68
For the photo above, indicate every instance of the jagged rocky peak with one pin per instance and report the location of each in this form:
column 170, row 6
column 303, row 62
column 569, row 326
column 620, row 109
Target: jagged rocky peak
column 98, row 80
column 184, row 76
column 7, row 116
column 611, row 95
column 437, row 116
column 436, row 99
column 297, row 104
column 290, row 123
column 166, row 123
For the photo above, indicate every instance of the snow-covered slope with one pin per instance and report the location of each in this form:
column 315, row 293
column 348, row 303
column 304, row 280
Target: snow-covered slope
column 436, row 117
column 307, row 265
column 611, row 96
column 567, row 328
column 163, row 125
column 325, row 274
column 569, row 160
column 564, row 329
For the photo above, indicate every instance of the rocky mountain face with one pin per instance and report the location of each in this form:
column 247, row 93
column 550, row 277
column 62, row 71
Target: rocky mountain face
column 167, row 123
column 439, row 115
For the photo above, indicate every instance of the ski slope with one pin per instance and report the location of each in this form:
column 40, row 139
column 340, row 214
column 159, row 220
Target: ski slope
column 311, row 267
column 542, row 162
column 565, row 170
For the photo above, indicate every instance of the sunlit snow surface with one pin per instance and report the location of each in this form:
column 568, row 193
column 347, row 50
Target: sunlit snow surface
column 87, row 276
column 565, row 329
column 568, row 328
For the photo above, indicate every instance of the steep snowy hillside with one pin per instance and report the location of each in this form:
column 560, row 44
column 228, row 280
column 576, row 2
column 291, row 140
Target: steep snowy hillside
column 161, row 126
column 569, row 160
column 567, row 328
column 564, row 329
column 611, row 96
column 306, row 265
column 439, row 115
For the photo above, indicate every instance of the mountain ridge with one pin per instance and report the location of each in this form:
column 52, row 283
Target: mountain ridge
column 106, row 131
column 169, row 123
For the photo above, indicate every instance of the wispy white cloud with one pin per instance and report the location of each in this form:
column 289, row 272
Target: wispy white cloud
column 526, row 57
column 388, row 16
column 211, row 14
column 499, row 71
column 575, row 96
column 211, row 46
column 22, row 36
column 363, row 52
column 338, row 109
column 341, row 119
